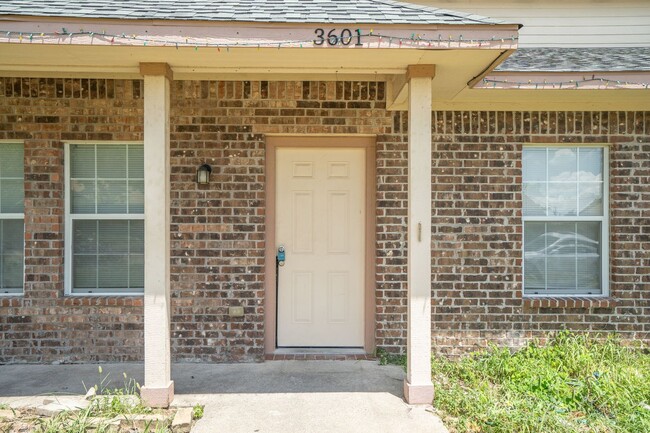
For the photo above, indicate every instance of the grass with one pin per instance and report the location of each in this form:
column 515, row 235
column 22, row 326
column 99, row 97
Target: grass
column 572, row 384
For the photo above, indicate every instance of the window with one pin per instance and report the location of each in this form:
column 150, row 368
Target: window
column 105, row 219
column 565, row 221
column 12, row 226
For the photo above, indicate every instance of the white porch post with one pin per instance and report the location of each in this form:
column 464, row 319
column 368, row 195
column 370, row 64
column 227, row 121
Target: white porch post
column 418, row 388
column 158, row 389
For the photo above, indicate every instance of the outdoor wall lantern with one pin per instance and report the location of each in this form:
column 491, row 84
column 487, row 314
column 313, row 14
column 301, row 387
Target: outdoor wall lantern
column 203, row 174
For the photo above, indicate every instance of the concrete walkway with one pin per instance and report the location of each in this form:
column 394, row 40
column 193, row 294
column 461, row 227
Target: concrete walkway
column 272, row 397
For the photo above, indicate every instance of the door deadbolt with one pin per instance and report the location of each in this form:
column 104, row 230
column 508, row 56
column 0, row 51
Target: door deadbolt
column 281, row 257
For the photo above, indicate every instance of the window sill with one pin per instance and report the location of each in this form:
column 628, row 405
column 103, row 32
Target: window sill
column 569, row 302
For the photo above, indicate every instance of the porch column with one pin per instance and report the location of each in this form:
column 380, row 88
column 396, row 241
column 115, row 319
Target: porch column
column 158, row 389
column 418, row 388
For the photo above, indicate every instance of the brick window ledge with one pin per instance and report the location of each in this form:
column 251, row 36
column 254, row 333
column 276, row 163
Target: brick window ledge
column 569, row 302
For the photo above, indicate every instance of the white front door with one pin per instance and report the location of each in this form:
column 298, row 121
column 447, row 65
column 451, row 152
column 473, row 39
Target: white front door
column 320, row 221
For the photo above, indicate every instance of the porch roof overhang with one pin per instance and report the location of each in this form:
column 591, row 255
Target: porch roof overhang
column 74, row 47
column 465, row 58
column 550, row 91
column 570, row 78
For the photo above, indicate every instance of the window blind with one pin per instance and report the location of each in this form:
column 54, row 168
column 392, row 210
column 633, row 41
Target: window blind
column 106, row 214
column 12, row 241
column 564, row 220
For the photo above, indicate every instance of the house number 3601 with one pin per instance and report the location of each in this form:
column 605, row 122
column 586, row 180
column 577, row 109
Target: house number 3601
column 333, row 37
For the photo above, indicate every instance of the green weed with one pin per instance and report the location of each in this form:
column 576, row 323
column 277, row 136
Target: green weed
column 111, row 401
column 158, row 429
column 68, row 422
column 111, row 406
column 197, row 412
column 104, row 386
column 386, row 358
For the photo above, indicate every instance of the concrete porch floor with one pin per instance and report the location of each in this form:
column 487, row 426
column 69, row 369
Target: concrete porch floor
column 271, row 397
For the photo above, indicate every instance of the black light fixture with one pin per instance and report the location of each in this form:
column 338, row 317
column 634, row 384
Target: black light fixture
column 203, row 174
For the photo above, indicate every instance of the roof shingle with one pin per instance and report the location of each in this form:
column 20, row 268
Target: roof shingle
column 281, row 11
column 577, row 60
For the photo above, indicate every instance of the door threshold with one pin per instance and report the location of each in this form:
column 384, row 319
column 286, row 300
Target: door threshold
column 319, row 354
column 319, row 351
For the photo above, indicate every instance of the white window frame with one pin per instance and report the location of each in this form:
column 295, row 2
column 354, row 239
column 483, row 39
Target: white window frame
column 604, row 226
column 16, row 216
column 69, row 218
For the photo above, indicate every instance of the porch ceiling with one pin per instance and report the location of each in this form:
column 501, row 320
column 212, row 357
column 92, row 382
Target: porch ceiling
column 454, row 68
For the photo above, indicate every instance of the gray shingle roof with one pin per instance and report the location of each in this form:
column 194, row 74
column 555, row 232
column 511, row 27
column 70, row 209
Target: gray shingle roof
column 577, row 60
column 280, row 11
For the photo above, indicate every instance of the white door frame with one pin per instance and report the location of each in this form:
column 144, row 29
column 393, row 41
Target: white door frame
column 367, row 142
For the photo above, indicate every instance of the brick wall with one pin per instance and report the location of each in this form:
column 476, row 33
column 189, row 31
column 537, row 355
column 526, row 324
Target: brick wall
column 44, row 325
column 218, row 230
column 477, row 228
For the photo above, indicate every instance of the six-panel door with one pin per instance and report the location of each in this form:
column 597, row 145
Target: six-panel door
column 320, row 216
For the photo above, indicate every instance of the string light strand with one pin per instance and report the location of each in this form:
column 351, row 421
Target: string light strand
column 414, row 41
column 567, row 84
